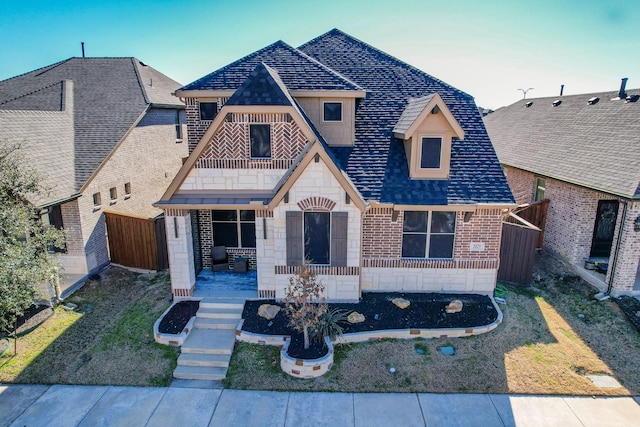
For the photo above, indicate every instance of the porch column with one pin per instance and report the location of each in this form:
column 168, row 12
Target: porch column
column 180, row 248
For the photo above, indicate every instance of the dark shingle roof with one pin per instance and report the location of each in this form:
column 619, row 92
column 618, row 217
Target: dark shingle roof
column 109, row 95
column 262, row 87
column 377, row 163
column 595, row 146
column 297, row 71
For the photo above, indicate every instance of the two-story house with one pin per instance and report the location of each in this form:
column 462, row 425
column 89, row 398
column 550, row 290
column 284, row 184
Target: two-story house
column 377, row 174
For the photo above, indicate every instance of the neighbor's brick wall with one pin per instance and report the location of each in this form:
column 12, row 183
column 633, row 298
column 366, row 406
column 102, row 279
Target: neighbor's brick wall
column 571, row 218
column 522, row 184
column 626, row 269
column 148, row 159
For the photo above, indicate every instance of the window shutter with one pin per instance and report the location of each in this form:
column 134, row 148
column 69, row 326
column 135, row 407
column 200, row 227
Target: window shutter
column 294, row 238
column 339, row 226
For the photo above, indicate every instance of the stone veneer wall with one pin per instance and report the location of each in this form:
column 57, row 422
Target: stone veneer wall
column 148, row 158
column 180, row 249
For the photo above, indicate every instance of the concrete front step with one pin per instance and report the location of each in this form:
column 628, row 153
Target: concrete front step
column 224, row 303
column 213, row 360
column 210, row 341
column 220, row 323
column 199, row 373
column 219, row 313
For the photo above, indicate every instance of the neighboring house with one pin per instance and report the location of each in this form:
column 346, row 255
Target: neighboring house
column 104, row 134
column 582, row 153
column 379, row 175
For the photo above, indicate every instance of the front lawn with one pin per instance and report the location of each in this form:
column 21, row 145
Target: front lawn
column 554, row 334
column 108, row 340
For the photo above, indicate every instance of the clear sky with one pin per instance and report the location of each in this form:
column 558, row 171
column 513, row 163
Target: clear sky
column 488, row 48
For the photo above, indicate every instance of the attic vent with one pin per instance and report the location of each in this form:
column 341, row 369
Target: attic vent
column 632, row 98
column 593, row 100
column 528, row 104
column 557, row 102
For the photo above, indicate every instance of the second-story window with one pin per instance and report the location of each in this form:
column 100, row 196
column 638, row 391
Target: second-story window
column 332, row 112
column 431, row 153
column 208, row 110
column 260, row 140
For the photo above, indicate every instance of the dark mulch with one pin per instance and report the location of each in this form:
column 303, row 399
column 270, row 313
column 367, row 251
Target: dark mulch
column 631, row 307
column 296, row 349
column 178, row 317
column 427, row 311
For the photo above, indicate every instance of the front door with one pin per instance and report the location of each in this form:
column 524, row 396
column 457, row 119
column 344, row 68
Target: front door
column 604, row 228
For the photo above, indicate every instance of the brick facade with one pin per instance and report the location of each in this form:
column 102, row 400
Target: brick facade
column 147, row 159
column 570, row 222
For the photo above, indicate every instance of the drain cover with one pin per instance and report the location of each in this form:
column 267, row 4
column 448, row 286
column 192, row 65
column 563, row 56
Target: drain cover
column 448, row 350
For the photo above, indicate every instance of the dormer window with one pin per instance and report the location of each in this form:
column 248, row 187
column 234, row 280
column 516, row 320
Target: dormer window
column 427, row 128
column 332, row 112
column 431, row 153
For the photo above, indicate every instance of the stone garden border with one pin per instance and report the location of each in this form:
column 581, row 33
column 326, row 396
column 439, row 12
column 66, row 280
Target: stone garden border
column 172, row 339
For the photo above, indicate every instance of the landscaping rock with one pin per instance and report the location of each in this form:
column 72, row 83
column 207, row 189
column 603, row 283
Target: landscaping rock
column 454, row 306
column 268, row 311
column 401, row 303
column 355, row 317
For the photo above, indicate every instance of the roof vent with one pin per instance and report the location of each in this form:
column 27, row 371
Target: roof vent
column 623, row 85
column 557, row 102
column 528, row 104
column 142, row 63
column 593, row 100
column 632, row 98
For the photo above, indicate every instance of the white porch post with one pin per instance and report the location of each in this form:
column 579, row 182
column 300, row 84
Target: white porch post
column 180, row 248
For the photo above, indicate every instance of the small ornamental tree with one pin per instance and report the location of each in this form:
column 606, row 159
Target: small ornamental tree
column 25, row 261
column 304, row 302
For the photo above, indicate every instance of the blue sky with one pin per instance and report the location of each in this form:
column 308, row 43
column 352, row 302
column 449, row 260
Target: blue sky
column 487, row 48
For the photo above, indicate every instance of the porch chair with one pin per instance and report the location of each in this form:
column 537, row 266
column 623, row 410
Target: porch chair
column 219, row 258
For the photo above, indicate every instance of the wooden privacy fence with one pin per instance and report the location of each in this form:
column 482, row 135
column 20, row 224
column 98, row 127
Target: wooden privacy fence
column 518, row 250
column 136, row 241
column 536, row 214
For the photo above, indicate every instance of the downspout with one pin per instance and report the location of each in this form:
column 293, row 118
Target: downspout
column 615, row 255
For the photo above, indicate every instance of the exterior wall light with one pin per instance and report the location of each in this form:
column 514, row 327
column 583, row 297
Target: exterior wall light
column 636, row 224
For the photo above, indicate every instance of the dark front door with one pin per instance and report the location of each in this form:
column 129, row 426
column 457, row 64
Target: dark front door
column 604, row 228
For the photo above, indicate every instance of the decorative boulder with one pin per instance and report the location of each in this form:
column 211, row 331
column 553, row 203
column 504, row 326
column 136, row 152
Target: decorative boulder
column 401, row 303
column 355, row 317
column 268, row 311
column 454, row 306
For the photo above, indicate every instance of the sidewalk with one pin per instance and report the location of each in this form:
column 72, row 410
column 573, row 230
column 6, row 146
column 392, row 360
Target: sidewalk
column 63, row 405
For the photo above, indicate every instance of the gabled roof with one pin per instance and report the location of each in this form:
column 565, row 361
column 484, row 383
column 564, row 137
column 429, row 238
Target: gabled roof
column 377, row 163
column 262, row 87
column 417, row 111
column 593, row 145
column 109, row 96
column 297, row 70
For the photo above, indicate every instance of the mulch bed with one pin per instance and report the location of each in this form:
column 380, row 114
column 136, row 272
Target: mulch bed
column 178, row 316
column 296, row 348
column 427, row 311
column 631, row 308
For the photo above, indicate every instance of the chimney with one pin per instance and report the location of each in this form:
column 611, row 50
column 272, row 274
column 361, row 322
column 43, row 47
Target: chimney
column 561, row 89
column 82, row 43
column 623, row 85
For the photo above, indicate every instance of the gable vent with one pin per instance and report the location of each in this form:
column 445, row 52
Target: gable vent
column 528, row 104
column 593, row 100
column 556, row 102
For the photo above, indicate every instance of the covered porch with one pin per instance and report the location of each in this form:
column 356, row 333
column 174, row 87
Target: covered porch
column 226, row 284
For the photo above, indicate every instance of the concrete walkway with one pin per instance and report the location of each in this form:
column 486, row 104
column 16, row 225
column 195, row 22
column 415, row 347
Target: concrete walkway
column 64, row 405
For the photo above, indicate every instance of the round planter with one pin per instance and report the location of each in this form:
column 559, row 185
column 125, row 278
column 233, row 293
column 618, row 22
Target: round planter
column 306, row 368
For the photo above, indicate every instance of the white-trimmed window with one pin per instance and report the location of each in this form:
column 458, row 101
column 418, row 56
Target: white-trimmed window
column 428, row 234
column 332, row 111
column 234, row 228
column 430, row 152
column 260, row 141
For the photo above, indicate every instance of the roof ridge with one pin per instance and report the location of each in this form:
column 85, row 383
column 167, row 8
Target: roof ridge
column 139, row 78
column 615, row 91
column 37, row 69
column 398, row 61
column 326, row 67
column 32, row 92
